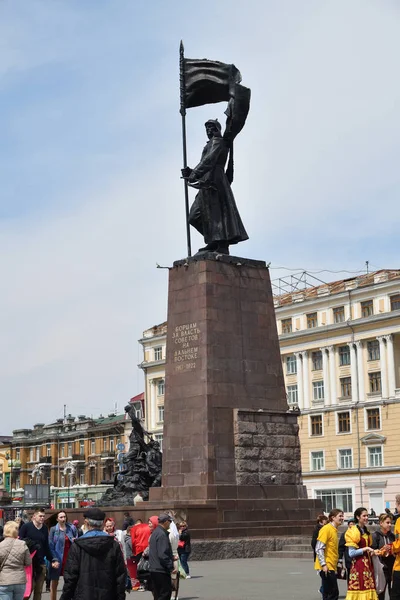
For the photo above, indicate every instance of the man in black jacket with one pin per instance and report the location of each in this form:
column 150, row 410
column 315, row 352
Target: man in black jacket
column 36, row 535
column 161, row 559
column 95, row 566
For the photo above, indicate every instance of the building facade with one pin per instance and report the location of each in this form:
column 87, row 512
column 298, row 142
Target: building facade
column 154, row 348
column 340, row 348
column 5, row 467
column 77, row 457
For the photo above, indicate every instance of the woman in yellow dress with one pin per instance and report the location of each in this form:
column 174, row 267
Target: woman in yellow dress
column 358, row 540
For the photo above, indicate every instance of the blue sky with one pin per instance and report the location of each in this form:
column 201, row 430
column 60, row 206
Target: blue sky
column 90, row 156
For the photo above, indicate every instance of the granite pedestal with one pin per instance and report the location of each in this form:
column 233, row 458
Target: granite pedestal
column 231, row 459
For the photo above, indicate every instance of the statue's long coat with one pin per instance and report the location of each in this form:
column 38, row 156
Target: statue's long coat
column 214, row 213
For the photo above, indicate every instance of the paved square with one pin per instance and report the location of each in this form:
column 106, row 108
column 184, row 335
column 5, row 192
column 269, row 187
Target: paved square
column 247, row 579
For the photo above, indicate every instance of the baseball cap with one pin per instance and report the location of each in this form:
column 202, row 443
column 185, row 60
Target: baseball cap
column 163, row 518
column 95, row 514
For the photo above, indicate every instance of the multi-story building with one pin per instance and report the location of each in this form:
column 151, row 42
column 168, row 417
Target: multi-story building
column 5, row 467
column 77, row 457
column 153, row 365
column 340, row 347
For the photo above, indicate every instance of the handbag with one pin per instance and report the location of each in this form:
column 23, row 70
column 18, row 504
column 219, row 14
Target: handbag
column 379, row 575
column 182, row 572
column 143, row 568
column 29, row 578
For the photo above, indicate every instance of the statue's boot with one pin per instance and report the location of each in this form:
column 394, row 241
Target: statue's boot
column 209, row 248
column 222, row 248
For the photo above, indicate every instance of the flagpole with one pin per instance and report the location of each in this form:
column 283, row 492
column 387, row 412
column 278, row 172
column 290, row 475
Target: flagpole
column 183, row 115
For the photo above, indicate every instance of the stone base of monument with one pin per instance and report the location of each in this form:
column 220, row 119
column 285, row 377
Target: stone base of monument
column 231, row 460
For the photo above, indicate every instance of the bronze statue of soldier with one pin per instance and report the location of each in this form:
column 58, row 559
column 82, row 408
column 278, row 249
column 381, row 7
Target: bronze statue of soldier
column 214, row 212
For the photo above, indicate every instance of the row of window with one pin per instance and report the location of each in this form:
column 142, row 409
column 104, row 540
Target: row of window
column 345, row 458
column 344, row 357
column 343, row 423
column 367, row 310
column 318, row 392
column 336, row 498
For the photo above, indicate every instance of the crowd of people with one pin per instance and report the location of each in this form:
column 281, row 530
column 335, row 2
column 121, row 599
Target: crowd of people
column 370, row 563
column 95, row 559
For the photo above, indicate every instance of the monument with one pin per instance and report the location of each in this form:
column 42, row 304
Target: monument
column 142, row 467
column 231, row 460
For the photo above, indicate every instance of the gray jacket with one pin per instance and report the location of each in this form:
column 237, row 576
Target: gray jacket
column 13, row 571
column 161, row 559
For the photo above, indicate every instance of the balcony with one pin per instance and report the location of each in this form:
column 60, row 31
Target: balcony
column 107, row 455
column 14, row 464
column 45, row 460
column 78, row 458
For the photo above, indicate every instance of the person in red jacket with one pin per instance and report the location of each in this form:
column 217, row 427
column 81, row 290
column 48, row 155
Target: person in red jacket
column 140, row 540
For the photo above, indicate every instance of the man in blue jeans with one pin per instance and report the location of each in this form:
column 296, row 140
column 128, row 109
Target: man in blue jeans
column 184, row 546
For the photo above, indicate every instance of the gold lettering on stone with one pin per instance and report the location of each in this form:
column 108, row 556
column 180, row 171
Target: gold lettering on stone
column 186, row 350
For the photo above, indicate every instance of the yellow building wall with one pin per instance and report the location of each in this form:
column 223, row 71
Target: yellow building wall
column 331, row 441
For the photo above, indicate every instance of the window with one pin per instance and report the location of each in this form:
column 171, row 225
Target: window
column 375, row 457
column 336, row 498
column 37, row 453
column 344, row 423
column 345, row 387
column 62, row 480
column 159, row 439
column 338, row 314
column 81, row 446
column 160, row 414
column 18, row 483
column 18, row 454
column 291, row 365
column 92, row 446
column 138, row 410
column 158, row 353
column 92, row 476
column 375, row 382
column 394, row 302
column 286, row 325
column 346, row 459
column 112, row 445
column 318, row 390
column 292, row 396
column 69, row 448
column 82, row 479
column 161, row 387
column 373, row 350
column 316, row 424
column 317, row 461
column 367, row 308
column 373, row 418
column 312, row 320
column 105, row 444
column 31, row 455
column 316, row 358
column 48, row 450
column 344, row 356
column 62, row 450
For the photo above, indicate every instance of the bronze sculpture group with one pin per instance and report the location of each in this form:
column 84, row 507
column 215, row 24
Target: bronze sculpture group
column 142, row 467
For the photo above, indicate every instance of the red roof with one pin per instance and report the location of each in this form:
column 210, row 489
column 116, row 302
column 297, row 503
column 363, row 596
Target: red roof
column 138, row 398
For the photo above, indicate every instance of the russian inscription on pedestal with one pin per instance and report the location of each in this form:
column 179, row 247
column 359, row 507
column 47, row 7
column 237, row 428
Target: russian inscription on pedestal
column 186, row 338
